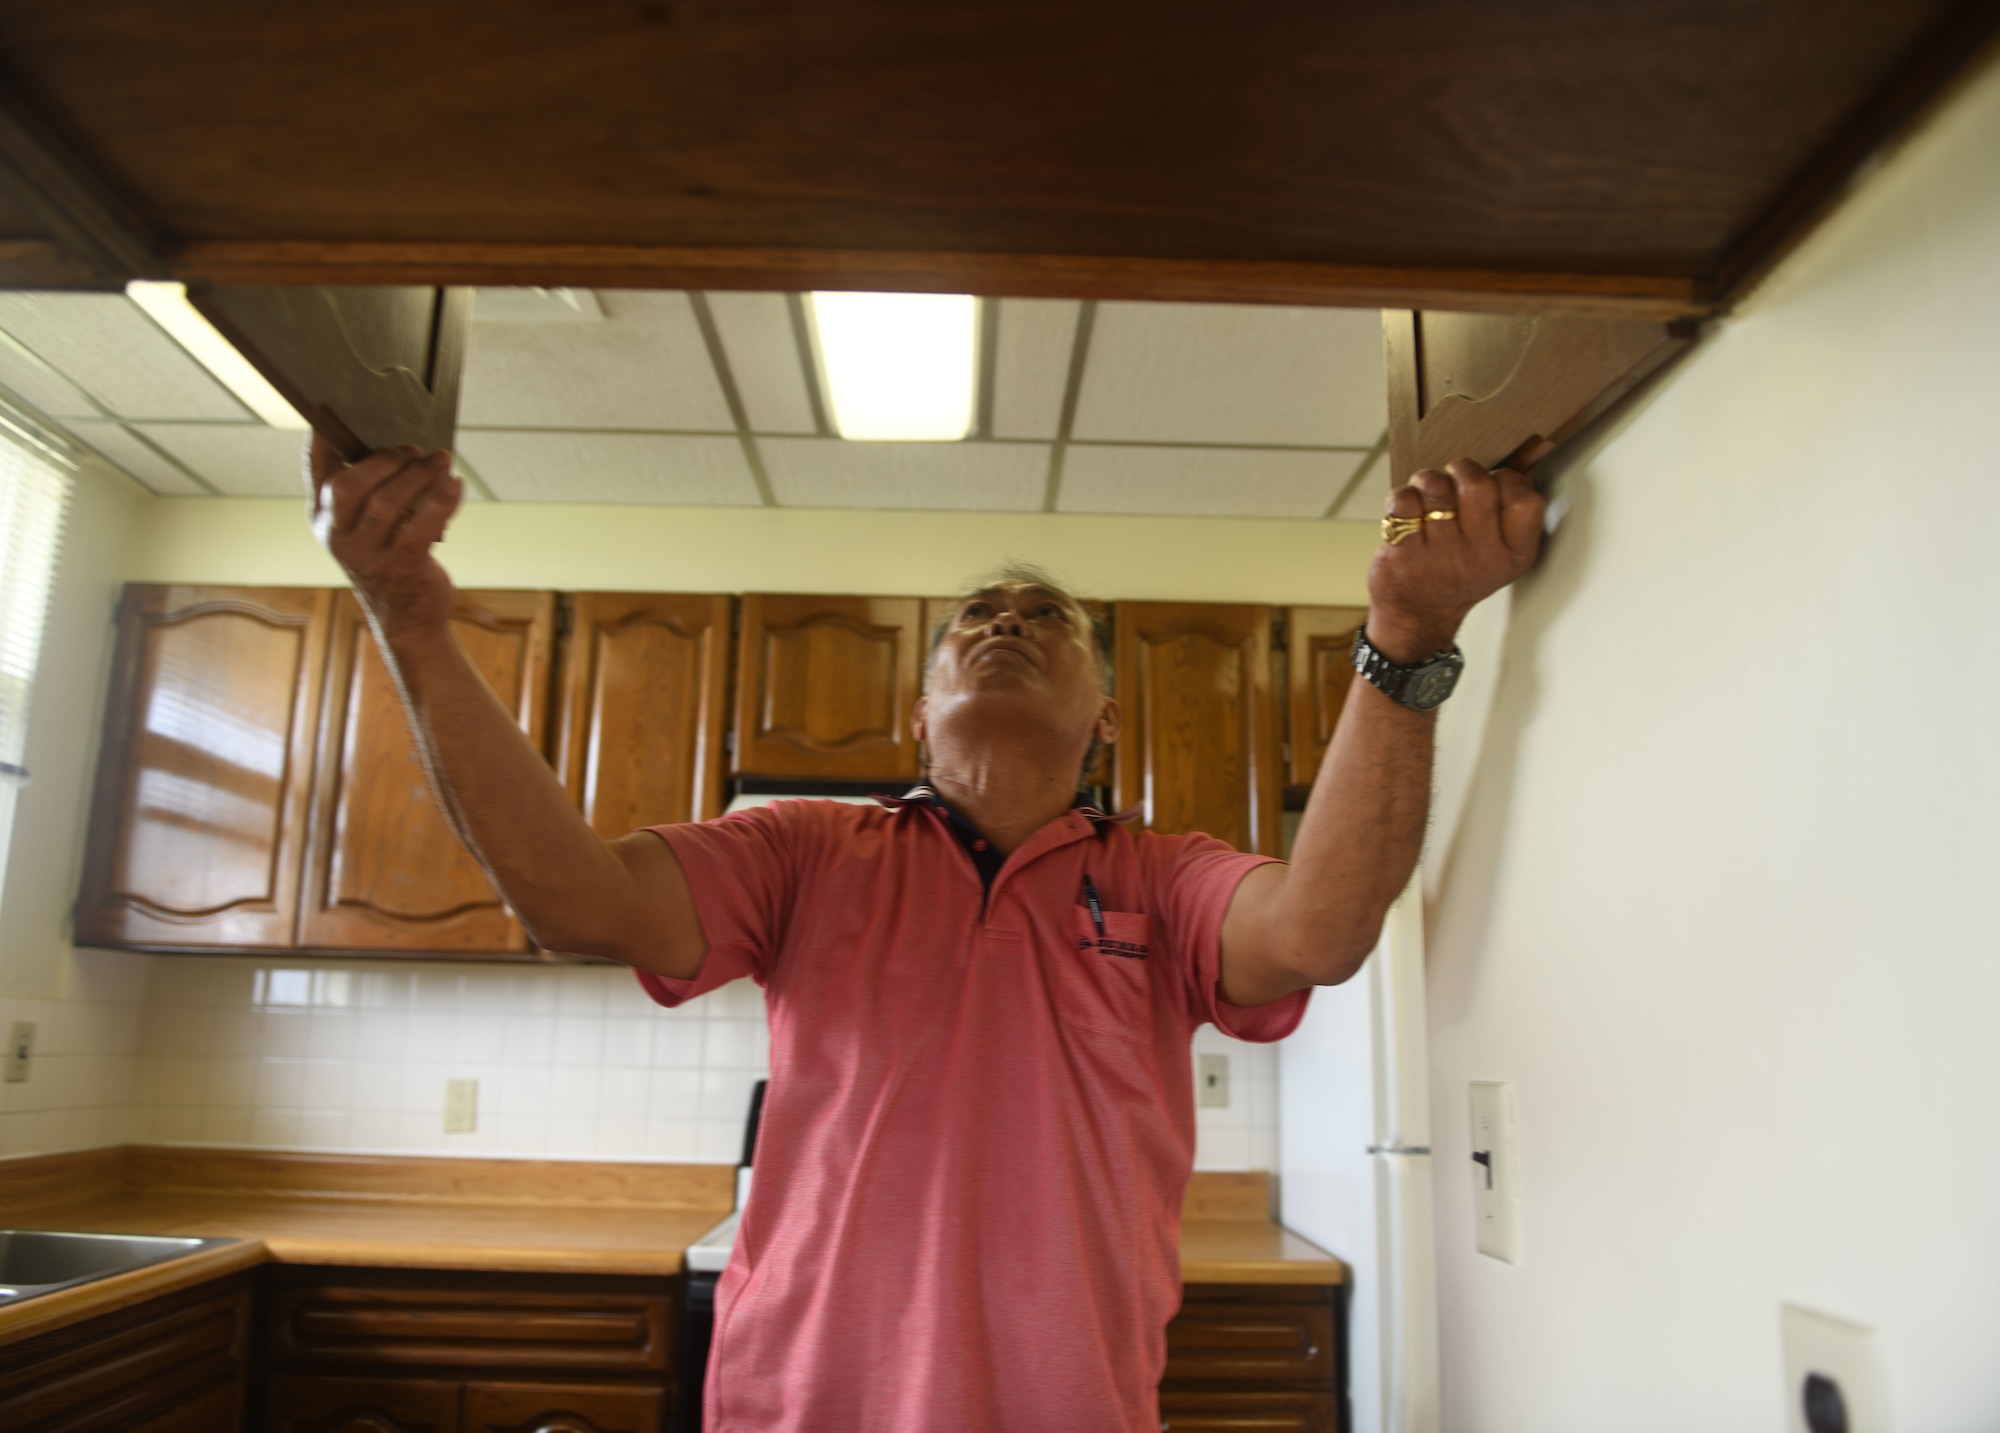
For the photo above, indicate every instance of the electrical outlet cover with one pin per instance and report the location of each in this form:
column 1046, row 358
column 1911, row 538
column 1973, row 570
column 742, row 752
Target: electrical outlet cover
column 461, row 1106
column 1833, row 1375
column 1211, row 1082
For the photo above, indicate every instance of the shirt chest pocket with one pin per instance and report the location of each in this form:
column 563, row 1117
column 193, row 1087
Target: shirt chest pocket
column 1105, row 980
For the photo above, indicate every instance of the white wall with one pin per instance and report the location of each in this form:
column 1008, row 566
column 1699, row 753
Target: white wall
column 1723, row 905
column 597, row 547
column 86, row 1006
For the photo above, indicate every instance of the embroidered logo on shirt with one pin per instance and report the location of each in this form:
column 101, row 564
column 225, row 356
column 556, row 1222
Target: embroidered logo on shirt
column 1130, row 950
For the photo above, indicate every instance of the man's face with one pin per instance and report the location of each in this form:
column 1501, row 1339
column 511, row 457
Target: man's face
column 1024, row 647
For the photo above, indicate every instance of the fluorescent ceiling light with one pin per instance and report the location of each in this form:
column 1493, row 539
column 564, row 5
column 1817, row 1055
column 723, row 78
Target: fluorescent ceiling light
column 169, row 307
column 898, row 367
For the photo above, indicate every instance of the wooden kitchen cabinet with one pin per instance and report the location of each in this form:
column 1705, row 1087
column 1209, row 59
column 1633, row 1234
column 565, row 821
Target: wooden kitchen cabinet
column 1200, row 746
column 198, row 822
column 1319, row 670
column 644, row 708
column 1264, row 1357
column 384, row 870
column 824, row 687
column 175, row 1364
column 406, row 1351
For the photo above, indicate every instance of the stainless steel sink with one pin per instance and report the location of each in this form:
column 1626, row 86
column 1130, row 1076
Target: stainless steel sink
column 40, row 1261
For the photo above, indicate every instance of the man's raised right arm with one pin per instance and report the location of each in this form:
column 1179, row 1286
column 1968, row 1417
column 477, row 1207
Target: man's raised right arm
column 575, row 892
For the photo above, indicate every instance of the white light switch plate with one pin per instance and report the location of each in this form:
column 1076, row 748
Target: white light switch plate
column 1851, row 1394
column 1496, row 1170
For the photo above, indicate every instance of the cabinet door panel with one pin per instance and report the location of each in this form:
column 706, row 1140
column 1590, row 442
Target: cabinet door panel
column 144, row 1367
column 645, row 682
column 825, row 686
column 308, row 1403
column 1244, row 1411
column 368, row 367
column 384, row 870
column 553, row 1408
column 199, row 815
column 1320, row 670
column 1488, row 386
column 1199, row 751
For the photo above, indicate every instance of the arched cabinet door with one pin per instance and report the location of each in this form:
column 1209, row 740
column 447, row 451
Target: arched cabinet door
column 200, row 807
column 1200, row 746
column 644, row 683
column 825, row 685
column 1319, row 670
column 384, row 871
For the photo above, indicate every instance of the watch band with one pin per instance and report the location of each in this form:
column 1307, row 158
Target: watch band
column 1422, row 687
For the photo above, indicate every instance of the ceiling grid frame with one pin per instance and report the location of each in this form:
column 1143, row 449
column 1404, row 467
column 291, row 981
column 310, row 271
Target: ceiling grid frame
column 1079, row 355
column 712, row 337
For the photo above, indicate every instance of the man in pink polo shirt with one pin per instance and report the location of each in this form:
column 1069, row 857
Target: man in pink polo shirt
column 980, row 1122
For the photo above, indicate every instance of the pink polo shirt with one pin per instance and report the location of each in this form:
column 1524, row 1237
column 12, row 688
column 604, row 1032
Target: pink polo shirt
column 980, row 1122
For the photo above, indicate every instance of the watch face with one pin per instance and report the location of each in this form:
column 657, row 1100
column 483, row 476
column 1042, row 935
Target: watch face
column 1428, row 687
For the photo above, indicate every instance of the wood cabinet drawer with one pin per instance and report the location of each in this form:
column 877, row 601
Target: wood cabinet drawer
column 1244, row 1411
column 552, row 1408
column 152, row 1367
column 1272, row 1337
column 471, row 1321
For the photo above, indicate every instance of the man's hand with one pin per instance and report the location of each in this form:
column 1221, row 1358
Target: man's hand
column 379, row 518
column 1420, row 589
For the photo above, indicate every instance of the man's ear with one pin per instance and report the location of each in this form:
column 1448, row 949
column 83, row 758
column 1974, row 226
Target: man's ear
column 1110, row 721
column 917, row 723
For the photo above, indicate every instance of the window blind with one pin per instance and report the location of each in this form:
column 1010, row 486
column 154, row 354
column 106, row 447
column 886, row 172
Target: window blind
column 34, row 501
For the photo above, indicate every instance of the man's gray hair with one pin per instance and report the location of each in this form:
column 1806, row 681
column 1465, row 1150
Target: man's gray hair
column 1026, row 574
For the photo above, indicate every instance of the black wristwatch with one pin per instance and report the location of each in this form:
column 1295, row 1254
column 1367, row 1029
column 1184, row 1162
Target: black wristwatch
column 1421, row 688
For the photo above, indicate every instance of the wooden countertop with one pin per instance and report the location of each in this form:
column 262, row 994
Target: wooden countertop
column 493, row 1215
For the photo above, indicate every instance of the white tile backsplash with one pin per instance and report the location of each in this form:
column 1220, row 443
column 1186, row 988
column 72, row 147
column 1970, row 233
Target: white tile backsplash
column 82, row 1077
column 571, row 1062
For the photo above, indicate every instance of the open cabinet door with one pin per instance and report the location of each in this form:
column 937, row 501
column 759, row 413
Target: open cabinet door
column 367, row 367
column 1509, row 388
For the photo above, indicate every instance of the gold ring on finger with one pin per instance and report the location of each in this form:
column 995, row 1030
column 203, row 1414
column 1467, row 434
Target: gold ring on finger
column 1395, row 529
column 1441, row 515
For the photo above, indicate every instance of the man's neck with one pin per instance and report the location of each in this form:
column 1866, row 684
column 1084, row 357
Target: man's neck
column 1007, row 797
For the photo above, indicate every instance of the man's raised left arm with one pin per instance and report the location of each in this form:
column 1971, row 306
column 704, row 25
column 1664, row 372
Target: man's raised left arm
column 1313, row 922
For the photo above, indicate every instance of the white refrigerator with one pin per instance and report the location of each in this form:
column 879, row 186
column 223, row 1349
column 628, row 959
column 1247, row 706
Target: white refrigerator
column 1354, row 1102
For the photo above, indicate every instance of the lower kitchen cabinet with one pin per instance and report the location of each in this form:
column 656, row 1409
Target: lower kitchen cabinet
column 175, row 1364
column 1268, row 1357
column 407, row 1351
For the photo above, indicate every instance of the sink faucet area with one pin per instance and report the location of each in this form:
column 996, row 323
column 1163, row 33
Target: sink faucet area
column 37, row 1261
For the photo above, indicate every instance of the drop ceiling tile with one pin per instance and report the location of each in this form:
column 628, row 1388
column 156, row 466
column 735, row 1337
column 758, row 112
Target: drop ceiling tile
column 1214, row 373
column 833, row 473
column 105, row 345
column 241, row 460
column 644, row 366
column 1031, row 367
column 765, row 360
column 127, row 451
column 1364, row 499
column 644, row 468
column 39, row 386
column 1208, row 482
